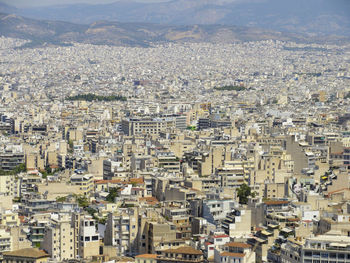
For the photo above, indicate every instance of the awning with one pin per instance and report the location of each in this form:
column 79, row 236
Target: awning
column 338, row 245
column 287, row 230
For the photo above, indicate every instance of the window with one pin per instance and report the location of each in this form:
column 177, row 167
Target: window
column 333, row 255
column 307, row 253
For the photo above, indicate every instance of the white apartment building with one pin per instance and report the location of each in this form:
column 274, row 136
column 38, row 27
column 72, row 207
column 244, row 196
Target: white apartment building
column 88, row 238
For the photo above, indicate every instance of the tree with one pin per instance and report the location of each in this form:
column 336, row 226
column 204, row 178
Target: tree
column 230, row 87
column 18, row 169
column 92, row 97
column 61, row 199
column 113, row 193
column 91, row 211
column 243, row 192
column 82, row 201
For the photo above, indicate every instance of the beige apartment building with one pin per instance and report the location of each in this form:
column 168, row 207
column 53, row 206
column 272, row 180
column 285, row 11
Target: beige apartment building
column 69, row 236
column 59, row 240
column 5, row 241
column 210, row 161
column 147, row 126
column 238, row 223
column 9, row 185
column 121, row 231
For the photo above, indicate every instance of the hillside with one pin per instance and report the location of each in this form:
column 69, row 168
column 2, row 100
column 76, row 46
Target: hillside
column 133, row 34
column 325, row 17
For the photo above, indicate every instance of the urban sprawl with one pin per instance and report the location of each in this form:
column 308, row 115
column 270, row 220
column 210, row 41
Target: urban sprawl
column 192, row 152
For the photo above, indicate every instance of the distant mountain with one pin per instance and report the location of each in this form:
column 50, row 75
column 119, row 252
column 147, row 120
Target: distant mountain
column 46, row 32
column 4, row 8
column 330, row 17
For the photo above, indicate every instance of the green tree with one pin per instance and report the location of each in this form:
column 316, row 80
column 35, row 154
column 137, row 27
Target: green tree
column 91, row 211
column 82, row 201
column 18, row 169
column 92, row 97
column 231, row 87
column 61, row 199
column 102, row 220
column 243, row 192
column 113, row 193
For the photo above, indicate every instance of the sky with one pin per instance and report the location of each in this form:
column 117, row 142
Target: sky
column 34, row 3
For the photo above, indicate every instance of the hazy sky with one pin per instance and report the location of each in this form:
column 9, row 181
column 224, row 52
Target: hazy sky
column 33, row 3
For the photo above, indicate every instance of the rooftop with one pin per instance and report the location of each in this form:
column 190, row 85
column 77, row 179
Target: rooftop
column 184, row 250
column 27, row 253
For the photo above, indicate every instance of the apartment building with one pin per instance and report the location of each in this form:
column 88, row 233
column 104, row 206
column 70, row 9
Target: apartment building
column 234, row 252
column 5, row 241
column 237, row 223
column 88, row 239
column 59, row 239
column 9, row 185
column 158, row 235
column 291, row 251
column 169, row 162
column 147, row 126
column 121, row 231
column 10, row 159
column 232, row 176
column 326, row 248
column 181, row 255
column 215, row 210
column 84, row 181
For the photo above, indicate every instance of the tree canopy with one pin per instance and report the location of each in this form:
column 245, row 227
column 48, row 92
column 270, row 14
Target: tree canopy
column 91, row 97
column 243, row 192
column 18, row 169
column 113, row 193
column 231, row 87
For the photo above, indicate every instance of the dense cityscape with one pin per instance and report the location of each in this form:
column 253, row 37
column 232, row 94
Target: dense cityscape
column 180, row 152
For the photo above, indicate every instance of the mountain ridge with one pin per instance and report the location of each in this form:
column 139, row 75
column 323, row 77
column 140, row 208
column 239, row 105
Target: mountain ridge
column 43, row 32
column 323, row 17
